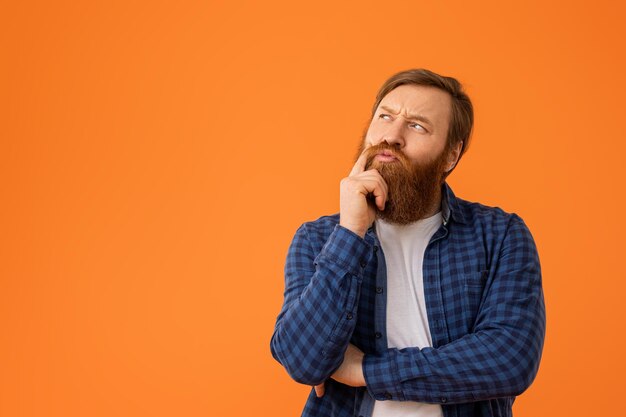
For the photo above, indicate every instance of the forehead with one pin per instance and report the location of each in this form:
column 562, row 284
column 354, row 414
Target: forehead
column 429, row 102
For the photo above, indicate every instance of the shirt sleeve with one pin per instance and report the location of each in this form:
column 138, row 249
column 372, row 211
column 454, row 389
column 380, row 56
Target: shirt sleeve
column 500, row 358
column 318, row 315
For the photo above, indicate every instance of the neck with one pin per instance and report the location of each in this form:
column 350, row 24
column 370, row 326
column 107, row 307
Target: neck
column 435, row 206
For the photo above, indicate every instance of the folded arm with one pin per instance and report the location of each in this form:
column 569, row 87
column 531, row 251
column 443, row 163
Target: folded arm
column 499, row 358
column 318, row 316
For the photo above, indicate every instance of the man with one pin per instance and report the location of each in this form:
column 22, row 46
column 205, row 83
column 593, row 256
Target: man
column 411, row 301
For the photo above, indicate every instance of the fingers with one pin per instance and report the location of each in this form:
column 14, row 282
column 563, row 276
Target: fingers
column 378, row 188
column 319, row 390
column 372, row 183
column 380, row 201
column 359, row 165
column 360, row 194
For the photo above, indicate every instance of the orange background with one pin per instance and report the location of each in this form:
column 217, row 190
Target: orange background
column 157, row 157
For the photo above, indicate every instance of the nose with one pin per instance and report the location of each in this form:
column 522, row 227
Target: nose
column 393, row 133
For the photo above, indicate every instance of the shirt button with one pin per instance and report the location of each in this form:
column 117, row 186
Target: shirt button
column 363, row 264
column 378, row 335
column 349, row 316
column 444, row 400
column 379, row 290
column 387, row 396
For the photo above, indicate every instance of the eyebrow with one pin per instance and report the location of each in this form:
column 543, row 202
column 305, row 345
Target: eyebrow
column 411, row 115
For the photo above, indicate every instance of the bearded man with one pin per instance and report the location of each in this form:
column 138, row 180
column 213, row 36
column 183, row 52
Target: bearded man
column 411, row 301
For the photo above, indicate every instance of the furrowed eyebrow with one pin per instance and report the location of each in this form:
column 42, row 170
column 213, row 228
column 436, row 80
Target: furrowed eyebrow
column 411, row 116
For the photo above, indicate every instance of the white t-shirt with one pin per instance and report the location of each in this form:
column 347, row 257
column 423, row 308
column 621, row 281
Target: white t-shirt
column 407, row 322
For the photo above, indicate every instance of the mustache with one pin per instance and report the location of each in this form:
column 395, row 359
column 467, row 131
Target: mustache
column 374, row 150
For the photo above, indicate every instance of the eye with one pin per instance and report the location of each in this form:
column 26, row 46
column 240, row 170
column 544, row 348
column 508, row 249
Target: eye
column 418, row 127
column 384, row 116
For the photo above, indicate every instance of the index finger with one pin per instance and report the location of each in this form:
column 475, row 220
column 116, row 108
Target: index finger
column 359, row 165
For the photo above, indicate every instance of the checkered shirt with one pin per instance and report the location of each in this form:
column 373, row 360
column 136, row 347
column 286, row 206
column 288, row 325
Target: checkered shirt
column 484, row 299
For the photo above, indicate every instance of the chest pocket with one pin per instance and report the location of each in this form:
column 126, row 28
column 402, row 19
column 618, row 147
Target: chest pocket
column 473, row 289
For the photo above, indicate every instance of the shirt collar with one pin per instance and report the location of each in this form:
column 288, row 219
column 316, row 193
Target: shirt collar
column 450, row 206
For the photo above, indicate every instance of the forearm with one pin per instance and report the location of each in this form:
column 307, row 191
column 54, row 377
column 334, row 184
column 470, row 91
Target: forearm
column 318, row 316
column 479, row 366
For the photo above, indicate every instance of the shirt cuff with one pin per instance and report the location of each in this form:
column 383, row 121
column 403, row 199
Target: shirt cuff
column 346, row 248
column 381, row 376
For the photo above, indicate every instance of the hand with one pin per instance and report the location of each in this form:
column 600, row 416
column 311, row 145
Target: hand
column 350, row 372
column 356, row 213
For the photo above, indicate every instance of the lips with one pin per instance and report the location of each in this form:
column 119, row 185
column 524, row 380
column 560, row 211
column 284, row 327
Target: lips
column 386, row 155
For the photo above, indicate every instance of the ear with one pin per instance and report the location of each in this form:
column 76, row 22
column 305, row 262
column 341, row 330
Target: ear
column 453, row 156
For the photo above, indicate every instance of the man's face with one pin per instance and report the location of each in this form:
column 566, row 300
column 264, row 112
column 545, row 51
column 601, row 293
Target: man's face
column 406, row 143
column 414, row 119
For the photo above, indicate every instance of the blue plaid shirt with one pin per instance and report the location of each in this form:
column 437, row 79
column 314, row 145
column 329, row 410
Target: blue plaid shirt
column 483, row 294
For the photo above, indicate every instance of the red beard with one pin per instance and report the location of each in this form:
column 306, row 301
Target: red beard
column 413, row 189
